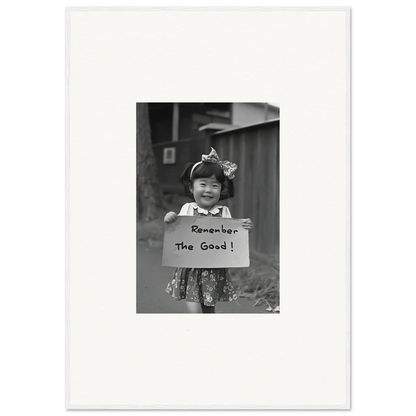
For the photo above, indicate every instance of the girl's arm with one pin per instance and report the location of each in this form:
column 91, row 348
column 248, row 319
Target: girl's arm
column 171, row 216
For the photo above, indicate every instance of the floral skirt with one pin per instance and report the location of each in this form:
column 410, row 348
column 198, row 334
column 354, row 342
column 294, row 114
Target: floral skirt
column 207, row 286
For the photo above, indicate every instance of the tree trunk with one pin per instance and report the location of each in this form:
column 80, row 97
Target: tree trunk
column 150, row 199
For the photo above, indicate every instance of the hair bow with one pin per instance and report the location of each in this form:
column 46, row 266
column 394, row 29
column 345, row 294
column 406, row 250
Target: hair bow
column 228, row 167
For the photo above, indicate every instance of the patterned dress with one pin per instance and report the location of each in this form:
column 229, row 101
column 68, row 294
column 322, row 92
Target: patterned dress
column 207, row 286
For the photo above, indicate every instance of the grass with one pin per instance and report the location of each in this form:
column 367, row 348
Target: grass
column 259, row 282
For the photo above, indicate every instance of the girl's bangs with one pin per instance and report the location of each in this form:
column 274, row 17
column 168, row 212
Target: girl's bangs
column 205, row 170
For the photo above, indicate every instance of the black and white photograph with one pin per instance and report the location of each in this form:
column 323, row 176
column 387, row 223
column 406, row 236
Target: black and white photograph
column 208, row 174
column 217, row 160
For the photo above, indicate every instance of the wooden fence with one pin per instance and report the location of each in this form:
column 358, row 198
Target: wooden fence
column 255, row 149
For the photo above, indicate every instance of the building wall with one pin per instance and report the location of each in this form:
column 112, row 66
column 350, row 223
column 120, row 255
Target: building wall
column 190, row 117
column 186, row 151
column 193, row 143
column 250, row 113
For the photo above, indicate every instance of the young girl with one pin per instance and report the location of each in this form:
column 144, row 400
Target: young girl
column 206, row 182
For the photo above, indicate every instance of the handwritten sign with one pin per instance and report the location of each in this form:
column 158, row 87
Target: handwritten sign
column 209, row 242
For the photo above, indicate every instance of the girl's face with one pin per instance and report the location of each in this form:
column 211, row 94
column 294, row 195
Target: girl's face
column 206, row 191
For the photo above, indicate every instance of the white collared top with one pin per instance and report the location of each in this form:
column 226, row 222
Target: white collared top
column 190, row 207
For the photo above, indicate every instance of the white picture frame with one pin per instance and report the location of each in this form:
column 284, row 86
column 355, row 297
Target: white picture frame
column 298, row 359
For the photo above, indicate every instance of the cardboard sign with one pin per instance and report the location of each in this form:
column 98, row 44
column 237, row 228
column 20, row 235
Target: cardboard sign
column 205, row 242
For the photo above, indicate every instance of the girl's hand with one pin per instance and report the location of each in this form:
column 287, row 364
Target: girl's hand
column 170, row 217
column 248, row 224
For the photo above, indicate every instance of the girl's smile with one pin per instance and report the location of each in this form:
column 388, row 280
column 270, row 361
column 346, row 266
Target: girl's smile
column 206, row 191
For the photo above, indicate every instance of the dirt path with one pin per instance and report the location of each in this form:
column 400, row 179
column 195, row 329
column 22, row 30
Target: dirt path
column 152, row 280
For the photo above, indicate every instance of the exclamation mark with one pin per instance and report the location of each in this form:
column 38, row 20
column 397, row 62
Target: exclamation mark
column 232, row 246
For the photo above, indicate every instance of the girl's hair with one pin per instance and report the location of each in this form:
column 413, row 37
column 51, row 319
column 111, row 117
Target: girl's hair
column 205, row 170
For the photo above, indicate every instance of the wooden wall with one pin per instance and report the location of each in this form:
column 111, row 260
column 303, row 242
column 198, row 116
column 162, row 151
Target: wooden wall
column 255, row 149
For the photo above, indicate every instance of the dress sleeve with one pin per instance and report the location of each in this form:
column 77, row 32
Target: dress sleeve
column 226, row 212
column 186, row 209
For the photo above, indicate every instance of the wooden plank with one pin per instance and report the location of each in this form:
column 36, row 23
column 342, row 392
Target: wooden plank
column 272, row 169
column 242, row 172
column 249, row 188
column 256, row 151
column 264, row 193
column 236, row 157
column 258, row 185
column 277, row 197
